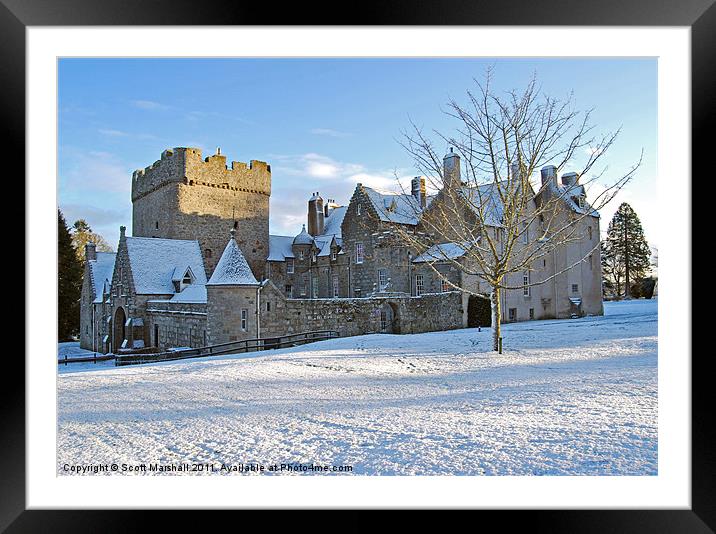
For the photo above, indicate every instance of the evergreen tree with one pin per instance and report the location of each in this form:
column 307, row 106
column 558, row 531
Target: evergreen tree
column 625, row 253
column 83, row 234
column 69, row 283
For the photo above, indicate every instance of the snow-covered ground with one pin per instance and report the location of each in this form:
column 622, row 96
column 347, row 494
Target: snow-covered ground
column 570, row 397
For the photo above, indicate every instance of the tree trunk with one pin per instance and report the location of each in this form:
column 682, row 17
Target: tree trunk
column 496, row 328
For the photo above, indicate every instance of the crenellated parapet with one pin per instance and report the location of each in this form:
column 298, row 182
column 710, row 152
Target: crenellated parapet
column 186, row 166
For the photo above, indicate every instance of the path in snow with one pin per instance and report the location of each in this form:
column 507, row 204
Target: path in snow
column 570, row 397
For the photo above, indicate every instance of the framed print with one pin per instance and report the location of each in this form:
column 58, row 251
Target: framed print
column 284, row 281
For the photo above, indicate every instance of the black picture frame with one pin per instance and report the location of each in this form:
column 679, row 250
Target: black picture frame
column 699, row 15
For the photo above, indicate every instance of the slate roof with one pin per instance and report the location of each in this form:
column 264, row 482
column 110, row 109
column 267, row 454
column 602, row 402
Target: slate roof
column 441, row 252
column 398, row 208
column 154, row 260
column 101, row 271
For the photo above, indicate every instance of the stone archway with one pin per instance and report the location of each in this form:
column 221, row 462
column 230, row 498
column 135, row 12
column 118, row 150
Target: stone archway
column 119, row 333
column 389, row 318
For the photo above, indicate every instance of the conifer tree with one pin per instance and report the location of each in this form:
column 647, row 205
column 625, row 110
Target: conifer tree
column 69, row 282
column 625, row 250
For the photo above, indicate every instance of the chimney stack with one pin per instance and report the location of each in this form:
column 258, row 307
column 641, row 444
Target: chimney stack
column 417, row 189
column 316, row 215
column 549, row 173
column 451, row 170
column 90, row 251
column 570, row 178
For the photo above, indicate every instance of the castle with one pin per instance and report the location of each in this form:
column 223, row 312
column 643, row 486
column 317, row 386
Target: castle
column 202, row 269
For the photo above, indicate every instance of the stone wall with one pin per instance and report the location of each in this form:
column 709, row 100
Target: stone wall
column 356, row 316
column 224, row 307
column 176, row 324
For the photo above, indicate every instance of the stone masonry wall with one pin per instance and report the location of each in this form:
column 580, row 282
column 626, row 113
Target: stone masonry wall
column 174, row 324
column 356, row 316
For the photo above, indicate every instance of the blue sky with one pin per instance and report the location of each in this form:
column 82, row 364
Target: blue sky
column 322, row 124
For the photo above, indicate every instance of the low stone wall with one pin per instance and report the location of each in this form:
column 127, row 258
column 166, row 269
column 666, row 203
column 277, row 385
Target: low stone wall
column 176, row 324
column 356, row 316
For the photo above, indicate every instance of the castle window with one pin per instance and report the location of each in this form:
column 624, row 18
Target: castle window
column 526, row 284
column 532, row 313
column 359, row 252
column 334, row 255
column 186, row 279
column 575, row 288
column 526, row 233
column 513, row 314
column 244, row 319
column 382, row 279
column 419, row 284
column 300, row 255
column 156, row 225
column 589, row 232
column 444, row 285
column 268, row 306
column 358, row 210
column 580, row 201
column 289, row 266
column 313, row 257
column 289, row 290
column 335, row 286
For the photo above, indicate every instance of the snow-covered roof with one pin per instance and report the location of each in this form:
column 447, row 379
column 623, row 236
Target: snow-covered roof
column 280, row 247
column 101, row 271
column 323, row 242
column 193, row 293
column 154, row 261
column 232, row 269
column 332, row 223
column 570, row 192
column 395, row 207
column 486, row 198
column 441, row 252
column 303, row 238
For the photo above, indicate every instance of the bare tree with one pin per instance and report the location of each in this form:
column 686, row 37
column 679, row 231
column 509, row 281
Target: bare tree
column 487, row 205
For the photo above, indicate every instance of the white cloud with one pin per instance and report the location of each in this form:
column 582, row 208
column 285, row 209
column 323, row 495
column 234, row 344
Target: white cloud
column 95, row 171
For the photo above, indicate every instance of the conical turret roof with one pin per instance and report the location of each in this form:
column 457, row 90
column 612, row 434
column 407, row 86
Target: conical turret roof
column 304, row 238
column 232, row 269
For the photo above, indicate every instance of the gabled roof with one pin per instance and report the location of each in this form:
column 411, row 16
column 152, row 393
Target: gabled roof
column 232, row 269
column 101, row 271
column 153, row 262
column 395, row 207
column 441, row 252
column 324, row 242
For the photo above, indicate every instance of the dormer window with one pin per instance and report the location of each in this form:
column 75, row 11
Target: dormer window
column 580, row 201
column 334, row 255
column 187, row 279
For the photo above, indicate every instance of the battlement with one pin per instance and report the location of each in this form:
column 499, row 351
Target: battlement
column 185, row 165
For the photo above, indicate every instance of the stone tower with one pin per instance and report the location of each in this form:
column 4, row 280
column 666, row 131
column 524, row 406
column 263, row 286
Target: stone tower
column 185, row 196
